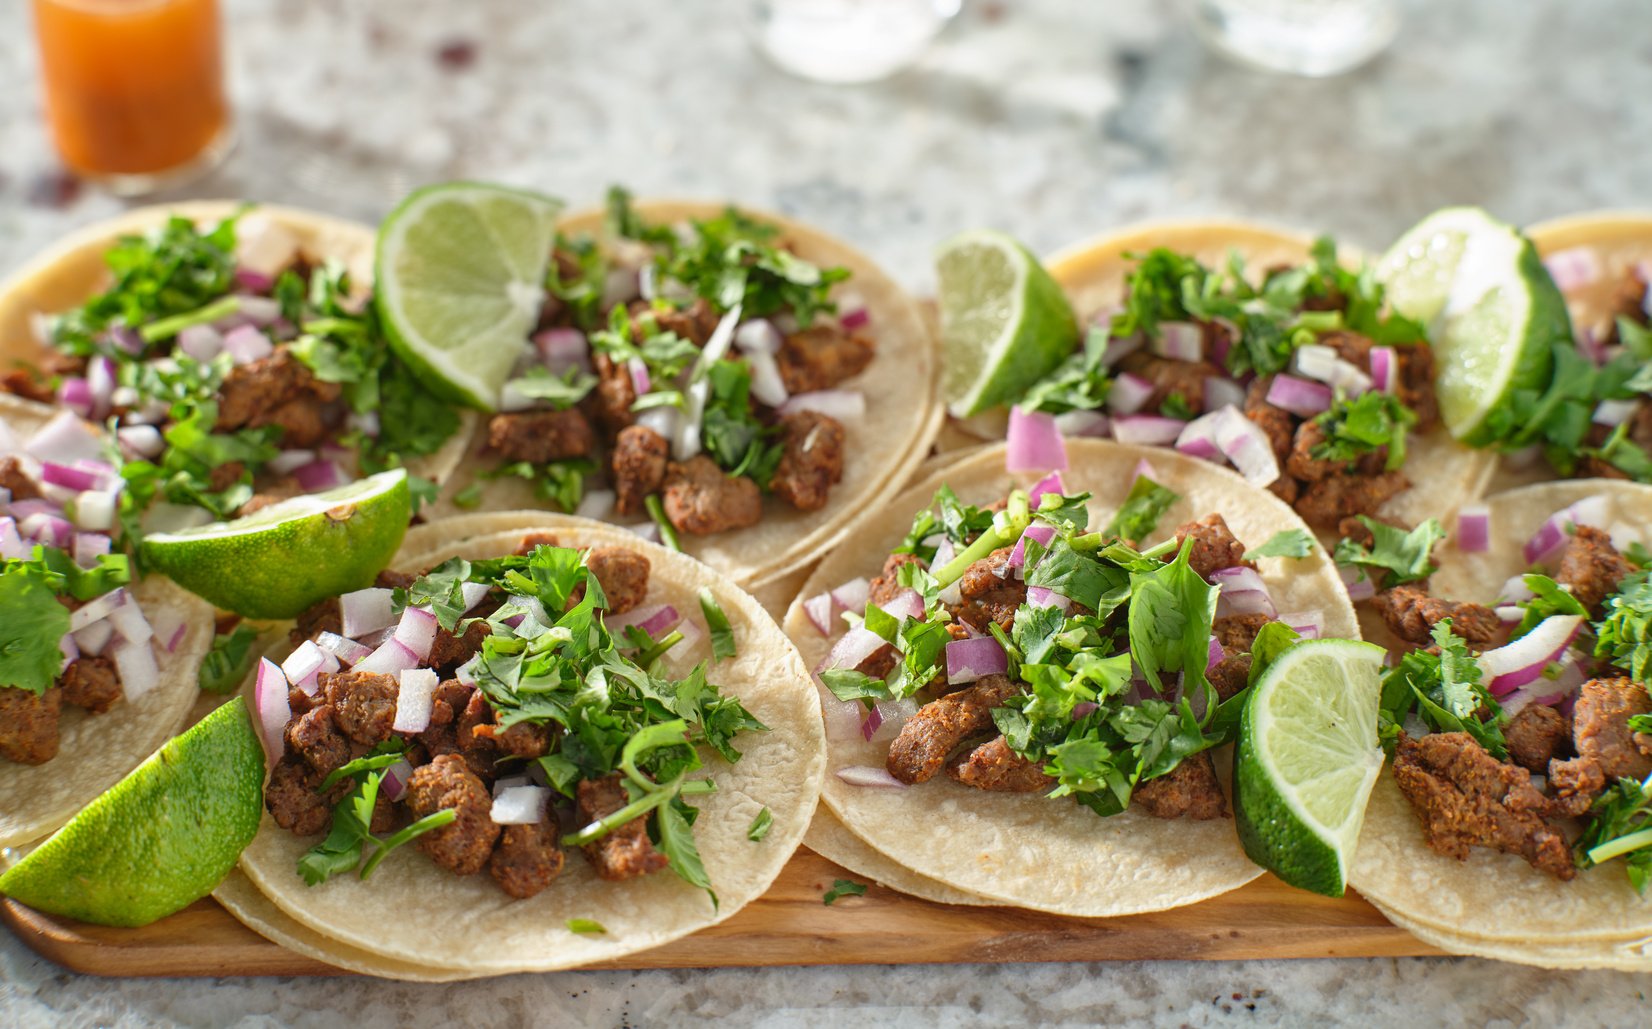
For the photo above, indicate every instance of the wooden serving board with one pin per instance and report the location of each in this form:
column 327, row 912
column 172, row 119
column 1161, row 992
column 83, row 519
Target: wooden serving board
column 790, row 925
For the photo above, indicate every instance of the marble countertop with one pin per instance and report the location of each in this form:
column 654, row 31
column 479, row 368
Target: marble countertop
column 1051, row 119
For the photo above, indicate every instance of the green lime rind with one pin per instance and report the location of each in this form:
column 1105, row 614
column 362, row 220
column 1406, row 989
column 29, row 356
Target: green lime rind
column 454, row 290
column 1547, row 322
column 158, row 840
column 1005, row 322
column 283, row 559
column 1329, row 728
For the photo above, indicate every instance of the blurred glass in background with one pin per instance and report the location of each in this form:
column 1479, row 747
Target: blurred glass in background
column 134, row 89
column 849, row 40
column 1302, row 37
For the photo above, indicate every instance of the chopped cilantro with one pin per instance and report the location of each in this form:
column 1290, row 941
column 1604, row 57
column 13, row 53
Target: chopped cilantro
column 735, row 439
column 1362, row 425
column 559, row 482
column 1284, row 543
column 760, row 826
column 717, row 624
column 228, row 662
column 1624, row 633
column 1171, row 609
column 1080, row 383
column 843, row 888
column 31, row 623
column 1446, row 690
column 668, row 532
column 1146, row 502
column 469, row 498
column 1399, row 555
column 1620, row 825
column 585, row 927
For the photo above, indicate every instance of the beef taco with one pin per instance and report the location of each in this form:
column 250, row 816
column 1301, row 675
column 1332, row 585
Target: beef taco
column 97, row 669
column 1262, row 351
column 714, row 377
column 232, row 351
column 450, row 708
column 1024, row 688
column 1516, row 820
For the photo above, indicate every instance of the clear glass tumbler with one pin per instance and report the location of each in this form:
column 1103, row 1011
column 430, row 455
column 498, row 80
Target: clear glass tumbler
column 848, row 40
column 1302, row 37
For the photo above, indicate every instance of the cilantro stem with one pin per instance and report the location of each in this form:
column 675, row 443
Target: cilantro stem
column 636, row 809
column 646, row 659
column 1622, row 845
column 984, row 544
column 697, row 787
column 665, row 734
column 1160, row 549
column 434, row 820
column 166, row 328
column 668, row 532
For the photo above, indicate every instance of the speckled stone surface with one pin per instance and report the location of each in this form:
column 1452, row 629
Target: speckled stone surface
column 1052, row 119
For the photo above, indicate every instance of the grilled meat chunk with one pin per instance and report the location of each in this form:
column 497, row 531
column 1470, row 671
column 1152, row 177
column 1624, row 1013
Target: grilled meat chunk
column 314, row 736
column 993, row 766
column 448, row 651
column 1411, row 614
column 363, row 703
column 1606, row 748
column 29, row 724
column 16, row 481
column 614, row 393
column 92, row 683
column 1170, row 378
column 626, row 852
column 1592, row 567
column 463, row 845
column 540, row 437
column 640, row 457
column 1214, row 545
column 1335, row 497
column 1536, row 736
column 292, row 799
column 701, row 500
column 279, row 390
column 526, row 859
column 990, row 593
column 822, row 356
column 623, row 575
column 888, row 584
column 1275, row 422
column 929, row 736
column 812, row 462
column 1190, row 790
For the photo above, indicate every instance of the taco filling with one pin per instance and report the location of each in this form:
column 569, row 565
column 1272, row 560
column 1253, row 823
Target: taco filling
column 1016, row 648
column 497, row 713
column 235, row 370
column 1302, row 382
column 1523, row 723
column 681, row 373
column 70, row 632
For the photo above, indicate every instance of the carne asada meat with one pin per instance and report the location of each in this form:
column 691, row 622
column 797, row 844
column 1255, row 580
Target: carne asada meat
column 314, row 736
column 822, row 356
column 1190, row 790
column 614, row 393
column 526, row 859
column 701, row 500
column 993, row 766
column 524, row 739
column 1416, row 383
column 473, row 737
column 1628, row 302
column 640, row 457
column 463, row 845
column 1591, row 567
column 29, row 724
column 1171, row 378
column 1333, row 498
column 20, row 382
column 1536, row 736
column 929, row 736
column 532, row 541
column 441, row 736
column 1230, row 675
column 279, row 390
column 1237, row 633
column 990, row 593
column 540, row 437
column 1275, row 422
column 626, row 852
column 1466, row 798
column 292, row 798
column 16, row 481
column 364, row 704
column 812, row 462
column 1411, row 614
column 1606, row 749
column 1214, row 545
column 621, row 572
column 448, row 652
column 888, row 584
column 695, row 323
column 92, row 683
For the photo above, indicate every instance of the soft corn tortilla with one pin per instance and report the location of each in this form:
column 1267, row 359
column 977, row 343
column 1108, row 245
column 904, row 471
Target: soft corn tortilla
column 903, row 414
column 1626, row 955
column 73, row 271
column 98, row 750
column 1444, row 474
column 1496, row 897
column 828, row 837
column 1032, row 851
column 414, row 913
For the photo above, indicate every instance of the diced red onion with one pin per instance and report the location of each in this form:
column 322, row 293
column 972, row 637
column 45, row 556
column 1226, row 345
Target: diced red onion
column 140, row 440
column 852, row 648
column 125, row 339
column 1198, row 437
column 1213, row 655
column 247, row 344
column 1523, row 660
column 655, row 619
column 303, row 663
column 758, row 336
column 64, row 439
column 561, row 350
column 1180, row 341
column 1474, row 528
column 76, row 395
column 869, row 726
column 417, row 631
column 70, row 651
column 67, row 477
column 852, row 595
column 259, row 311
column 869, row 775
column 597, row 503
column 767, row 384
column 1082, row 423
column 1040, row 596
column 101, row 380
column 1018, row 555
column 96, row 609
column 1221, row 391
column 416, row 686
column 1299, row 396
column 1118, row 347
column 819, row 610
column 906, row 603
column 1242, row 592
column 269, row 693
column 1614, row 412
column 473, row 593
column 129, row 621
column 645, row 282
column 345, row 651
column 364, row 611
column 641, row 381
column 1550, row 538
column 202, row 342
column 1359, row 585
column 1308, row 624
column 1129, row 393
column 520, row 805
column 318, row 475
column 135, row 662
column 12, row 546
column 1148, row 430
column 1050, row 483
column 969, row 660
column 1084, row 708
column 1034, row 443
column 856, row 318
column 1385, row 366
column 392, row 656
column 396, row 777
column 48, row 529
column 1247, row 448
column 256, row 282
column 846, row 405
column 93, row 638
column 1561, row 690
column 1573, row 268
column 619, row 286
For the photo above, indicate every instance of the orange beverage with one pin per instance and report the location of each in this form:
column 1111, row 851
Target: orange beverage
column 134, row 88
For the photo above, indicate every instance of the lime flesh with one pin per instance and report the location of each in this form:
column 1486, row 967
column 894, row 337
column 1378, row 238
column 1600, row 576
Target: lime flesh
column 280, row 560
column 158, row 840
column 460, row 277
column 1005, row 323
column 1307, row 759
column 1491, row 309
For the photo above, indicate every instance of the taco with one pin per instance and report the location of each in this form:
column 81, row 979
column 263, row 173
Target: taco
column 96, row 669
column 1094, row 586
column 467, row 726
column 1516, row 819
column 231, row 350
column 718, row 377
column 1260, row 350
column 1596, row 417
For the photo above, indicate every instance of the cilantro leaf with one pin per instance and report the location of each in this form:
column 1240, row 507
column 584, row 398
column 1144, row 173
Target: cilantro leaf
column 1362, row 425
column 585, row 927
column 676, row 842
column 717, row 624
column 760, row 826
column 1624, row 633
column 1620, row 825
column 228, row 662
column 843, row 888
column 1399, row 555
column 1146, row 502
column 1171, row 609
column 31, row 623
column 1284, row 543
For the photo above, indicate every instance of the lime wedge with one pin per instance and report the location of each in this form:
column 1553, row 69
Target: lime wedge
column 276, row 562
column 161, row 838
column 460, row 280
column 1490, row 307
column 1307, row 759
column 1004, row 321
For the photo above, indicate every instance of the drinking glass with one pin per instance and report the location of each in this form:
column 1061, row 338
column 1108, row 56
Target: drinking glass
column 848, row 40
column 1303, row 37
